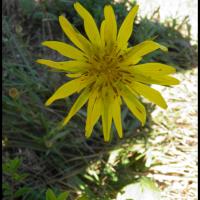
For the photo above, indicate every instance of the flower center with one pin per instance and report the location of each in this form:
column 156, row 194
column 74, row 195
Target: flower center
column 107, row 69
column 105, row 65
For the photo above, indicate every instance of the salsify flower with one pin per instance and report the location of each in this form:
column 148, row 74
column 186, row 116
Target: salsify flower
column 105, row 70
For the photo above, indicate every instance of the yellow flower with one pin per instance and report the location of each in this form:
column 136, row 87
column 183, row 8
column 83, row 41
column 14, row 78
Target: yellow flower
column 104, row 69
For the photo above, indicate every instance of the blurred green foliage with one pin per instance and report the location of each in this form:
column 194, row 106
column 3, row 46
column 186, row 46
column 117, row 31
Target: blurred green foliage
column 63, row 159
column 51, row 196
column 13, row 179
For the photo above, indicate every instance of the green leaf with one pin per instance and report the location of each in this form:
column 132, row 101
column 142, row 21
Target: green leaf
column 144, row 189
column 11, row 166
column 38, row 15
column 63, row 196
column 21, row 191
column 27, row 6
column 50, row 195
column 19, row 177
column 7, row 191
column 15, row 163
column 84, row 197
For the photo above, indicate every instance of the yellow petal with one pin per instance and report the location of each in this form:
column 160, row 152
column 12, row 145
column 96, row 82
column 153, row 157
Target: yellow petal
column 87, row 45
column 66, row 90
column 71, row 32
column 166, row 80
column 77, row 105
column 149, row 93
column 143, row 49
column 70, row 66
column 65, row 49
column 110, row 24
column 89, row 24
column 134, row 105
column 76, row 75
column 116, row 113
column 155, row 79
column 153, row 68
column 106, row 118
column 126, row 28
column 129, row 61
column 102, row 32
column 93, row 113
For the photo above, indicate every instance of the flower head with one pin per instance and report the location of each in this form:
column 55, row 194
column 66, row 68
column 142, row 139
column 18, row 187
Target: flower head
column 104, row 70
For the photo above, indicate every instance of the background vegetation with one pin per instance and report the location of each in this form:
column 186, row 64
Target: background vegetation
column 42, row 161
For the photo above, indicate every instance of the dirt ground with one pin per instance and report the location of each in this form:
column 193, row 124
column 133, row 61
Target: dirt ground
column 174, row 141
